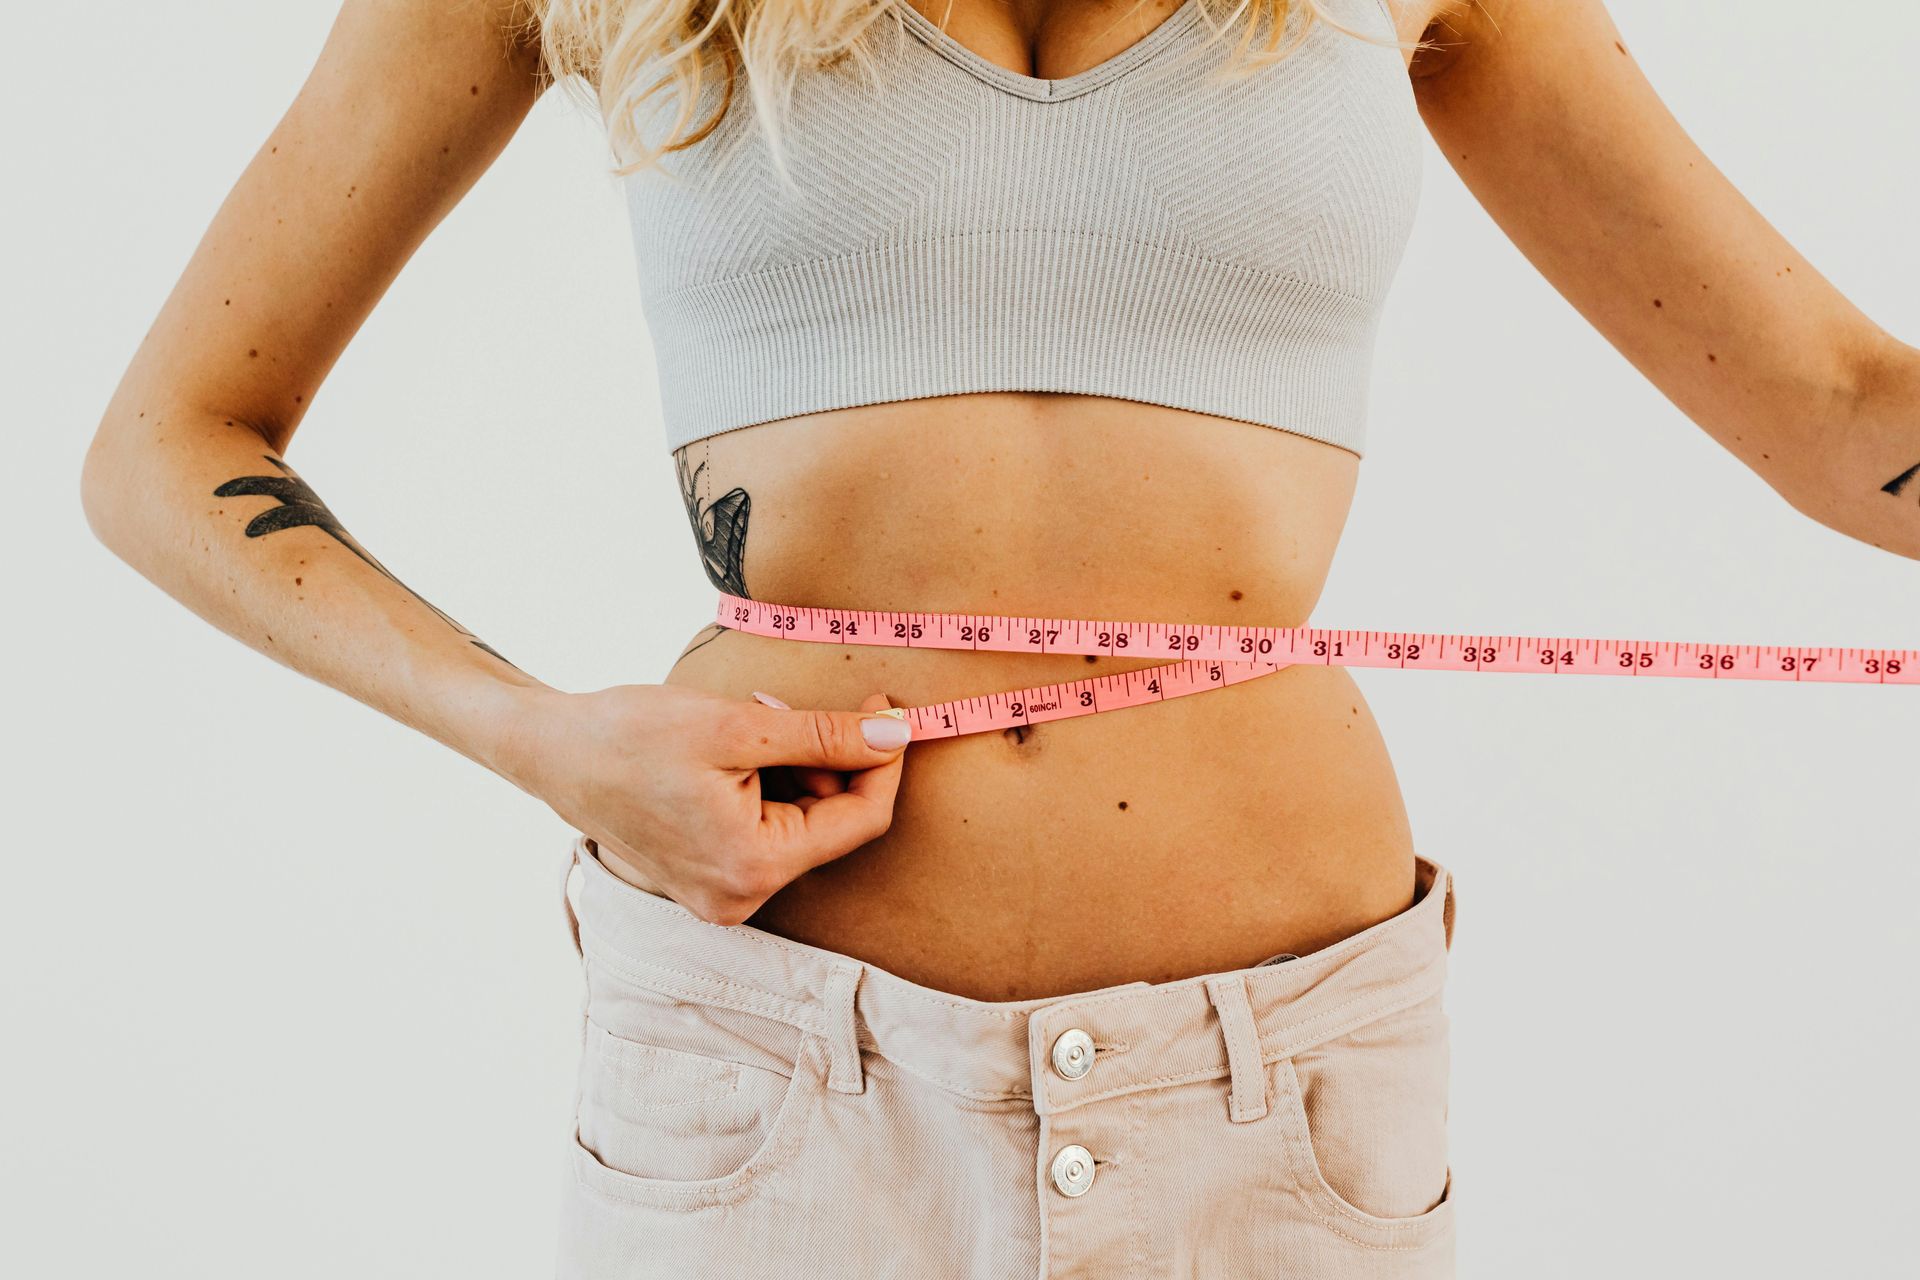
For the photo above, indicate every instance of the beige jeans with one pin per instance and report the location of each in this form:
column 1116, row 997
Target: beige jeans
column 758, row 1108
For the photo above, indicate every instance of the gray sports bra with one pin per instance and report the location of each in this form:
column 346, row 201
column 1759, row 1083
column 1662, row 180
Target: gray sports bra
column 1131, row 231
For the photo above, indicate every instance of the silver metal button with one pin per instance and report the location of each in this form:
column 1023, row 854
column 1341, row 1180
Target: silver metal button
column 1072, row 1170
column 1073, row 1054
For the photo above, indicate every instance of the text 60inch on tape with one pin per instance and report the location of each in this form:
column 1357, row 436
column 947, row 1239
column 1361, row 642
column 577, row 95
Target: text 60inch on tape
column 1215, row 656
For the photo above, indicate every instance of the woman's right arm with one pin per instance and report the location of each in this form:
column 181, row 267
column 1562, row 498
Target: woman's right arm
column 186, row 480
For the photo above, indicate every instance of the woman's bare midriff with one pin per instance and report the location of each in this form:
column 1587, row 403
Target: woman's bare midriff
column 1155, row 843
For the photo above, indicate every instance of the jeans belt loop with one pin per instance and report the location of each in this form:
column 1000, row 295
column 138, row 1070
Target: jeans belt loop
column 1247, row 1099
column 843, row 1034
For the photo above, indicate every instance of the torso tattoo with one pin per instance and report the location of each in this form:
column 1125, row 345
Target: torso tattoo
column 719, row 530
column 719, row 525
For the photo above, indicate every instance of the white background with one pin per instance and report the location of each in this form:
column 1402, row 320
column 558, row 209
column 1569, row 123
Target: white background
column 286, row 989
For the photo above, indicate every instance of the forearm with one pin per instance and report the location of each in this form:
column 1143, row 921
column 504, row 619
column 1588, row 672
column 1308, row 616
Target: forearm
column 204, row 507
column 1867, row 483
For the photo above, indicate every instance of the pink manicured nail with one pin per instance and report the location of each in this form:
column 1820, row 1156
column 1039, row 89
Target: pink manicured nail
column 771, row 701
column 885, row 732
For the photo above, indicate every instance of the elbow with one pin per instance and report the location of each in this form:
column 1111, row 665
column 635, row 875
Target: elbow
column 1876, row 505
column 109, row 490
column 99, row 483
column 1864, row 479
column 1867, row 525
column 1865, row 512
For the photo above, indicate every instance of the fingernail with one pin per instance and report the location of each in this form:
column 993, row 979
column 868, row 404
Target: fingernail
column 771, row 701
column 886, row 730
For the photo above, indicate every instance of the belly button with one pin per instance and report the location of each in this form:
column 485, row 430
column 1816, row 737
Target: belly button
column 1024, row 737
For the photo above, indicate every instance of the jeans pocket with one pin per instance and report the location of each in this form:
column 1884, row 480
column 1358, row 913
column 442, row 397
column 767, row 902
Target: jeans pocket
column 1365, row 1124
column 660, row 1125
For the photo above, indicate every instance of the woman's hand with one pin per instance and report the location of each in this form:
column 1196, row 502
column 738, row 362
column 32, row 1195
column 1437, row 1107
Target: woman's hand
column 689, row 789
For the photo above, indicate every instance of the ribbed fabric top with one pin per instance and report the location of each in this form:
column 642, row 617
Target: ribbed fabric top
column 1132, row 231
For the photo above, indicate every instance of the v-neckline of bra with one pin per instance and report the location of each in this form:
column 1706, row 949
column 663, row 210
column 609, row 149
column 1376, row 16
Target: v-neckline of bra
column 1034, row 87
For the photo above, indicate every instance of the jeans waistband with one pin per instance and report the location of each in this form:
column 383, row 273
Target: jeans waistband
column 1140, row 1035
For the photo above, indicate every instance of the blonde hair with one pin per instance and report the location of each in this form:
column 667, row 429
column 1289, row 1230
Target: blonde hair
column 615, row 55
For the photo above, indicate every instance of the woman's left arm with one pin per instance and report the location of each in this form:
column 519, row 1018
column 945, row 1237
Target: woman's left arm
column 1547, row 119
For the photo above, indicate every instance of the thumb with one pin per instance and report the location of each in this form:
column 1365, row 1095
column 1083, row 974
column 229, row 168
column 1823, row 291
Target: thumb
column 843, row 740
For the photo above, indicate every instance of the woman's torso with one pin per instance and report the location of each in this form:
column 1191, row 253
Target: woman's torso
column 1193, row 836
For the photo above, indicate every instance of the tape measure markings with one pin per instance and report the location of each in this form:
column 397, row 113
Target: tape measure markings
column 1213, row 656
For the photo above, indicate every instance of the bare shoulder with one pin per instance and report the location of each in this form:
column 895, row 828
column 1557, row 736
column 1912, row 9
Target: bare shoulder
column 494, row 42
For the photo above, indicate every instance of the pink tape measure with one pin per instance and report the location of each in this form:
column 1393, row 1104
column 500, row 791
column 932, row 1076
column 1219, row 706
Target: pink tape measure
column 1213, row 657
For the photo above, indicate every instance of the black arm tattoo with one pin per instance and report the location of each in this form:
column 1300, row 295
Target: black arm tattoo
column 719, row 527
column 300, row 506
column 1899, row 483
